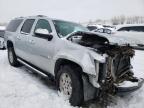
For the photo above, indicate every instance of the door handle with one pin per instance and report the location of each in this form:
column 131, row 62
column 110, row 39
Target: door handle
column 31, row 42
column 18, row 37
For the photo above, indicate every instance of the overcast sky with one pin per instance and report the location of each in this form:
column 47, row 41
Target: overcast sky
column 73, row 10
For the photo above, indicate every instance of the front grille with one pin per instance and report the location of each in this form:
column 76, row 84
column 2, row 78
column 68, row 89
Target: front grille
column 121, row 65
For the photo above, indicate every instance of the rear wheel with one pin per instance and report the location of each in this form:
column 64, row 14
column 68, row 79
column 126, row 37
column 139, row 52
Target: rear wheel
column 12, row 57
column 70, row 84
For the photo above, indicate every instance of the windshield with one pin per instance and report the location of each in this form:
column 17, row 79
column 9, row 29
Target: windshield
column 63, row 28
column 1, row 33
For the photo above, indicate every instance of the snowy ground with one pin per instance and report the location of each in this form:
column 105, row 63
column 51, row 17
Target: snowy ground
column 20, row 88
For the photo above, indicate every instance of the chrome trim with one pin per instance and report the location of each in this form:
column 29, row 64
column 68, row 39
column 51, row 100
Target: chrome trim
column 97, row 69
column 24, row 63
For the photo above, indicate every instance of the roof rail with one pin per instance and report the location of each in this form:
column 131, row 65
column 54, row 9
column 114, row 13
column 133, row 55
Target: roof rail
column 41, row 15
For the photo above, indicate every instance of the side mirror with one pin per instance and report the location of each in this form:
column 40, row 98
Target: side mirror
column 43, row 33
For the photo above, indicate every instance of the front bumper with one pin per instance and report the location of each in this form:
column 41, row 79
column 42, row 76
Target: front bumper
column 123, row 90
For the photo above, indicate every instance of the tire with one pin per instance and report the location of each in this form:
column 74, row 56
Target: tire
column 76, row 96
column 12, row 57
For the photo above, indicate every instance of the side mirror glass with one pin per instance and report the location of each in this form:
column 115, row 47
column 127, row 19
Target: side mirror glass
column 43, row 33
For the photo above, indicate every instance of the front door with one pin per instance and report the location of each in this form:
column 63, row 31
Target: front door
column 41, row 50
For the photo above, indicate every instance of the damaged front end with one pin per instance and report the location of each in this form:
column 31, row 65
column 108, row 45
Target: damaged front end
column 119, row 77
column 115, row 76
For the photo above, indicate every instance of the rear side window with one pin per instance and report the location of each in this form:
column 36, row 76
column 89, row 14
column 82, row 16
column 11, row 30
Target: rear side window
column 91, row 28
column 13, row 25
column 26, row 28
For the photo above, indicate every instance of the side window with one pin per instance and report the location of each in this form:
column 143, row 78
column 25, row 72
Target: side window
column 13, row 25
column 121, row 29
column 43, row 24
column 91, row 28
column 133, row 28
column 139, row 28
column 26, row 28
column 124, row 29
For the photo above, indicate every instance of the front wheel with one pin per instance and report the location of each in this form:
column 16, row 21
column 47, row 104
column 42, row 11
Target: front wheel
column 70, row 84
column 12, row 57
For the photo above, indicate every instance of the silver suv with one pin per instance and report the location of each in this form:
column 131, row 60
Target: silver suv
column 84, row 65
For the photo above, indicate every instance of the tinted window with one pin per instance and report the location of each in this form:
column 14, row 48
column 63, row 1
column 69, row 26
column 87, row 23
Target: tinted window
column 124, row 29
column 13, row 25
column 137, row 28
column 43, row 24
column 133, row 28
column 26, row 28
column 91, row 28
column 1, row 33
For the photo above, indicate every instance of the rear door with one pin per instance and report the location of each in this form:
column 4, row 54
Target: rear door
column 22, row 39
column 41, row 50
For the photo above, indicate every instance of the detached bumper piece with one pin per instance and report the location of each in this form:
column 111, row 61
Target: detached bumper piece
column 127, row 87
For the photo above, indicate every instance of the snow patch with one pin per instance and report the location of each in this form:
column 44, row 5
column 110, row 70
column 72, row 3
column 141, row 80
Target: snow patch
column 20, row 88
column 128, row 84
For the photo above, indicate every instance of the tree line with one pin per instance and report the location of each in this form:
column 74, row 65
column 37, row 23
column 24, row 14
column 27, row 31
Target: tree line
column 116, row 20
column 127, row 20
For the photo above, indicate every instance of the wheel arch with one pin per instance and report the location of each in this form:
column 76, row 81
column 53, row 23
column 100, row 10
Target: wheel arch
column 61, row 61
column 9, row 44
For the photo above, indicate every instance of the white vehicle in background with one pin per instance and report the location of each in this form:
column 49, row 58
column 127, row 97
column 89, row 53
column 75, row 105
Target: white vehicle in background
column 96, row 28
column 135, row 31
column 2, row 44
column 107, row 30
column 101, row 28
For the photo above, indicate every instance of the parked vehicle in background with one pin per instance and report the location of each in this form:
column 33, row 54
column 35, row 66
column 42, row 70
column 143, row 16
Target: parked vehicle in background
column 135, row 31
column 104, row 30
column 101, row 28
column 92, row 27
column 131, row 28
column 95, row 27
column 109, row 26
column 85, row 65
column 2, row 31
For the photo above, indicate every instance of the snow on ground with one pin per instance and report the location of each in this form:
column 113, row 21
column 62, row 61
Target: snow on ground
column 20, row 88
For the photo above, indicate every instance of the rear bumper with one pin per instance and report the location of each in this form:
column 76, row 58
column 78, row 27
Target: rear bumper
column 127, row 90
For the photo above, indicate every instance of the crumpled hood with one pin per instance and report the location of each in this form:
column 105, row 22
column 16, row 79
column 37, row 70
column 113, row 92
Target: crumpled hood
column 120, row 40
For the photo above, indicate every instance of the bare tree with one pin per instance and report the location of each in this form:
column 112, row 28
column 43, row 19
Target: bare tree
column 115, row 20
column 98, row 21
column 129, row 20
column 122, row 19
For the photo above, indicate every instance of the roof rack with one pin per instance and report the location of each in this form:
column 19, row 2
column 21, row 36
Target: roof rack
column 41, row 15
